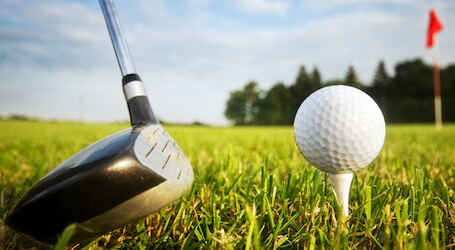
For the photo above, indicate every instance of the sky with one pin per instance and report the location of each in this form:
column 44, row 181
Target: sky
column 57, row 61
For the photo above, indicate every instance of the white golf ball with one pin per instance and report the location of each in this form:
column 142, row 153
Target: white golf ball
column 339, row 129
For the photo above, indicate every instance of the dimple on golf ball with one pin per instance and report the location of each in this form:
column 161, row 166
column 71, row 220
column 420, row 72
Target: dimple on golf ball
column 339, row 129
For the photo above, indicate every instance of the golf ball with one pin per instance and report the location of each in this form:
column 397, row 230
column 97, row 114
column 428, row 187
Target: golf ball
column 339, row 129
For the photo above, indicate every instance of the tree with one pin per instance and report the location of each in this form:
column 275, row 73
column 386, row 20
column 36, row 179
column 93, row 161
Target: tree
column 351, row 78
column 316, row 79
column 241, row 107
column 410, row 96
column 381, row 77
column 276, row 107
column 304, row 85
column 378, row 89
column 404, row 96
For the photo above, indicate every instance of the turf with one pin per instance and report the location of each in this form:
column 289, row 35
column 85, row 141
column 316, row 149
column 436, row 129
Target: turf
column 253, row 189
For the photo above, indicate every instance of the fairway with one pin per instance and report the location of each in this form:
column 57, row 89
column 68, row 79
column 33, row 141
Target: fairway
column 253, row 189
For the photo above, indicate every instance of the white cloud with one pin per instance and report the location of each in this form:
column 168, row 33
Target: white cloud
column 332, row 4
column 153, row 10
column 277, row 7
column 54, row 35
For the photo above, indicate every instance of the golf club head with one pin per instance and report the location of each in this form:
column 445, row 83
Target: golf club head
column 109, row 184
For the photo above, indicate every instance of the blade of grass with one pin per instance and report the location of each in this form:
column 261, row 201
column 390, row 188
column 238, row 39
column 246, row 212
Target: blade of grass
column 65, row 237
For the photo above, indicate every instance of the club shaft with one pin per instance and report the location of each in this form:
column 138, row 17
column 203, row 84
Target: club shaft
column 141, row 113
column 118, row 39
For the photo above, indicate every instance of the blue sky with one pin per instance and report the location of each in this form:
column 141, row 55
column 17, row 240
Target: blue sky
column 56, row 60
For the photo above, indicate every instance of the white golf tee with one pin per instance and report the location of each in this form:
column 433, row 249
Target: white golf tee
column 342, row 185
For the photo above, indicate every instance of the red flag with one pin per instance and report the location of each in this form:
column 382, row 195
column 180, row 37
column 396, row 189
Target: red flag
column 434, row 27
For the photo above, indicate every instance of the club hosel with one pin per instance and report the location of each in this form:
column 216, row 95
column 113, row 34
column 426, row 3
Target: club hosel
column 141, row 112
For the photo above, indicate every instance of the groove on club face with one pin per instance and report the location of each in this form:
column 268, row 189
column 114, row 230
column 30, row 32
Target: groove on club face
column 103, row 187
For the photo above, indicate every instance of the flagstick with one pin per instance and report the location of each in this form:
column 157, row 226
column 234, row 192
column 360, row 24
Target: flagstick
column 437, row 86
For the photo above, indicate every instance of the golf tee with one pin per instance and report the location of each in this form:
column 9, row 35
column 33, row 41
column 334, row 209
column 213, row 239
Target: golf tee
column 342, row 184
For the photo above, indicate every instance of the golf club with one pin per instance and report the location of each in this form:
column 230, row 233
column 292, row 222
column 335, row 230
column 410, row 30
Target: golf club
column 115, row 181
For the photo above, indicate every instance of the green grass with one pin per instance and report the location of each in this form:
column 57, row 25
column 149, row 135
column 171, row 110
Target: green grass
column 254, row 190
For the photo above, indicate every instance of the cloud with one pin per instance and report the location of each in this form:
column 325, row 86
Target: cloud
column 49, row 52
column 333, row 4
column 254, row 52
column 276, row 7
column 153, row 10
column 49, row 33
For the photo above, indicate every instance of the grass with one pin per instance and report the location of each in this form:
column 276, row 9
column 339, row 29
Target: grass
column 254, row 190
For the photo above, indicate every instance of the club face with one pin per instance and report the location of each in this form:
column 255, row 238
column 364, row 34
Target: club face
column 109, row 184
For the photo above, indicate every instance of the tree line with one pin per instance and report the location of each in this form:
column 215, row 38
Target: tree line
column 404, row 97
